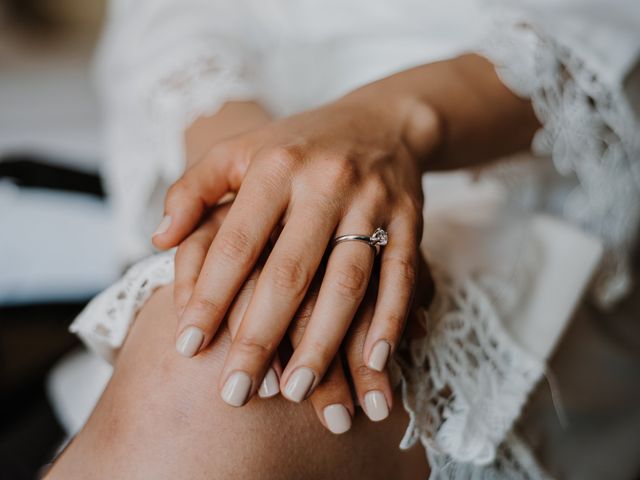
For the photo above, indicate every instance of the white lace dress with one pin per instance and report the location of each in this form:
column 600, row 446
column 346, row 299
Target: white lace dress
column 508, row 279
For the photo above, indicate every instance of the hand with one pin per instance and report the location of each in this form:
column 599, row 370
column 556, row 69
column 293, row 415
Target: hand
column 343, row 168
column 332, row 398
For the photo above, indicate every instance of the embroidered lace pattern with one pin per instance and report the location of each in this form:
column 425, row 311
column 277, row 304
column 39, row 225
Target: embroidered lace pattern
column 105, row 322
column 513, row 461
column 465, row 384
column 590, row 132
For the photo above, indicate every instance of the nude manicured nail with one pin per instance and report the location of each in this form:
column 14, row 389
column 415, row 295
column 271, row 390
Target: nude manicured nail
column 337, row 418
column 379, row 356
column 375, row 405
column 236, row 390
column 190, row 341
column 270, row 385
column 299, row 384
column 163, row 226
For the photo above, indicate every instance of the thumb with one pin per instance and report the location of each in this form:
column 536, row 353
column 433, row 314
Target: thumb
column 202, row 186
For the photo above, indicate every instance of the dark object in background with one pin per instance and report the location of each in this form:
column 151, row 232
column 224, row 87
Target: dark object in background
column 32, row 339
column 27, row 171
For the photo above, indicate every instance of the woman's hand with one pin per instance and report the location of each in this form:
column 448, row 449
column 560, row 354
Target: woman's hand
column 348, row 167
column 341, row 169
column 332, row 398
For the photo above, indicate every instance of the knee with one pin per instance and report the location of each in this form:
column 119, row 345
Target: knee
column 161, row 416
column 165, row 410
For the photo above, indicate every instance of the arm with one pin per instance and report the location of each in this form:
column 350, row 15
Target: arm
column 456, row 113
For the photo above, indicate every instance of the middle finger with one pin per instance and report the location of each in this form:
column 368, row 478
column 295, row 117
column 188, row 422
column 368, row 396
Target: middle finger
column 281, row 288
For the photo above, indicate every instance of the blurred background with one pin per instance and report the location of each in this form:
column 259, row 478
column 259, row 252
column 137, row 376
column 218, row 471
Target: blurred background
column 55, row 236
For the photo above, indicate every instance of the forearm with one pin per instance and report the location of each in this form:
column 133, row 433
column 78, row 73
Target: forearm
column 477, row 119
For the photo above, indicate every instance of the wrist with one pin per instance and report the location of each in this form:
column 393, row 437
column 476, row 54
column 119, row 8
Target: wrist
column 409, row 117
column 452, row 113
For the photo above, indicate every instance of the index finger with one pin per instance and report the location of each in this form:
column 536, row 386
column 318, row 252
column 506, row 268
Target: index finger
column 200, row 187
column 235, row 249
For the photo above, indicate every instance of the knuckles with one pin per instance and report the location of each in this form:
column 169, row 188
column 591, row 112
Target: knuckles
column 206, row 307
column 287, row 158
column 404, row 267
column 178, row 190
column 290, row 277
column 236, row 246
column 350, row 280
column 254, row 346
column 363, row 374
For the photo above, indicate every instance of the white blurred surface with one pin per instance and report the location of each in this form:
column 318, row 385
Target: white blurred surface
column 53, row 245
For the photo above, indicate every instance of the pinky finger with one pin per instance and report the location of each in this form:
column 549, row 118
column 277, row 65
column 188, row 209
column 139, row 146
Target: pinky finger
column 332, row 400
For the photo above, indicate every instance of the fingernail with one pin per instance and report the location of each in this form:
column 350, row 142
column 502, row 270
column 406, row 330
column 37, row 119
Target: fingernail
column 164, row 225
column 299, row 384
column 190, row 341
column 379, row 356
column 269, row 386
column 337, row 418
column 236, row 390
column 375, row 405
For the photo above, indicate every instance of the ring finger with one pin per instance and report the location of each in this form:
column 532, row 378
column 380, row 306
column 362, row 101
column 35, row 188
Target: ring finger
column 343, row 288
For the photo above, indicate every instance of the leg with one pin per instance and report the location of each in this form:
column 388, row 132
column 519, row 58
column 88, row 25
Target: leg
column 160, row 417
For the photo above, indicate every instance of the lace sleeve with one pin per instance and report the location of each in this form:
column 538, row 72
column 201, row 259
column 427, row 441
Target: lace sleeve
column 161, row 64
column 581, row 93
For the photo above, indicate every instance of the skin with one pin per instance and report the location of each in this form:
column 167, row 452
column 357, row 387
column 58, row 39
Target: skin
column 335, row 387
column 346, row 167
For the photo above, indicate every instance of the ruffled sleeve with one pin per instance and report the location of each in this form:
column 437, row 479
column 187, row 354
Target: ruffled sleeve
column 160, row 65
column 578, row 62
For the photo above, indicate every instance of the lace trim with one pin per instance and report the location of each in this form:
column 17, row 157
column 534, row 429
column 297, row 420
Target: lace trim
column 104, row 323
column 590, row 132
column 466, row 383
column 513, row 461
column 190, row 89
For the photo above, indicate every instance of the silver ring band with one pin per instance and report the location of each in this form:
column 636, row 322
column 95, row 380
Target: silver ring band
column 377, row 239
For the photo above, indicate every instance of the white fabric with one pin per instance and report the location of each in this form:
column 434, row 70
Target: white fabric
column 590, row 128
column 572, row 59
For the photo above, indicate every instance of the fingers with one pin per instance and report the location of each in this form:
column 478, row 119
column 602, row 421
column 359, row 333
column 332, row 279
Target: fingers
column 332, row 398
column 269, row 387
column 281, row 288
column 191, row 254
column 200, row 187
column 343, row 287
column 398, row 274
column 230, row 259
column 373, row 388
